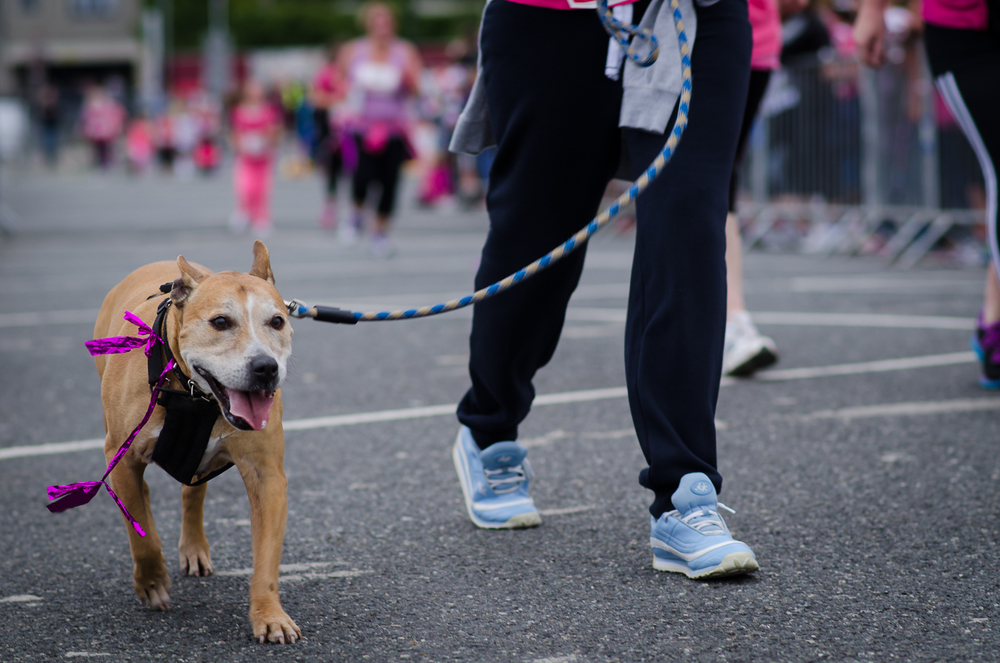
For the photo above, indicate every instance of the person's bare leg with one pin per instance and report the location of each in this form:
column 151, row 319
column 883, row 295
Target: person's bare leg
column 734, row 267
column 991, row 297
column 381, row 224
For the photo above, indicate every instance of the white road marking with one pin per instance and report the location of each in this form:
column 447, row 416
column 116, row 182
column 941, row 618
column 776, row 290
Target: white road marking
column 85, row 654
column 284, row 568
column 879, row 283
column 567, row 510
column 350, row 573
column 21, row 598
column 334, row 421
column 41, row 318
column 301, row 572
column 886, row 320
column 909, row 409
column 880, row 366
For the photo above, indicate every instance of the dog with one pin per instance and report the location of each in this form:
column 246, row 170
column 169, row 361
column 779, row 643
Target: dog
column 229, row 333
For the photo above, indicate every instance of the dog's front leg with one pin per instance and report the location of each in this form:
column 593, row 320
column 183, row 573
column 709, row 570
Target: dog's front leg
column 266, row 484
column 149, row 569
column 193, row 546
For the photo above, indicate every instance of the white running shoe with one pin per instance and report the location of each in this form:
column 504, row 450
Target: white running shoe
column 746, row 349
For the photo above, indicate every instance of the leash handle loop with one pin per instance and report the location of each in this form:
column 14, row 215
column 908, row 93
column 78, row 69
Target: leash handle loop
column 622, row 32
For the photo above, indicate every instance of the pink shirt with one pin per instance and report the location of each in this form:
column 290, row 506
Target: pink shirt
column 766, row 24
column 963, row 14
column 329, row 80
column 103, row 119
column 570, row 4
column 253, row 126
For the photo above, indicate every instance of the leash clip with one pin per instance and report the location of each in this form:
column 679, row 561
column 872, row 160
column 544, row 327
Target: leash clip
column 297, row 309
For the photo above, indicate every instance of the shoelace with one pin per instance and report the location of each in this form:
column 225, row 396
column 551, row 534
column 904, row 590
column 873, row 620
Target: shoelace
column 519, row 472
column 705, row 520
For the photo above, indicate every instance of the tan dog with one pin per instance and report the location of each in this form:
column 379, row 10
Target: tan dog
column 229, row 332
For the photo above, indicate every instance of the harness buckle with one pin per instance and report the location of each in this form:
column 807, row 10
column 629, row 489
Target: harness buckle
column 192, row 388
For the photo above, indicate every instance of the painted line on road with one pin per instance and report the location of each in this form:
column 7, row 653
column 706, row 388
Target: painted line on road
column 21, row 598
column 42, row 318
column 334, row 421
column 909, row 409
column 880, row 366
column 567, row 510
column 887, row 320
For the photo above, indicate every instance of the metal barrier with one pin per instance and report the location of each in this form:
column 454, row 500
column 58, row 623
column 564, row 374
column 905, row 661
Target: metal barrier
column 848, row 160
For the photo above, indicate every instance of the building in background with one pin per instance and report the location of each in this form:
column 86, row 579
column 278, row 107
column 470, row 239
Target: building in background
column 68, row 44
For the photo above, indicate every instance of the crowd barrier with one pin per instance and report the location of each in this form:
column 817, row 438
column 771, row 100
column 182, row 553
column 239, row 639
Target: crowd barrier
column 848, row 160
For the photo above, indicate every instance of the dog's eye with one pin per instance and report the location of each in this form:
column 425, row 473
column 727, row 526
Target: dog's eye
column 277, row 322
column 220, row 322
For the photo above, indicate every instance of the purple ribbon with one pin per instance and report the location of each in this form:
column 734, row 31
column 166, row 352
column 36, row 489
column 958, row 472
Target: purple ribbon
column 119, row 344
column 75, row 494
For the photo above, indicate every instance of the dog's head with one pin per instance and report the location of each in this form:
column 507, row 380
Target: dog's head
column 234, row 336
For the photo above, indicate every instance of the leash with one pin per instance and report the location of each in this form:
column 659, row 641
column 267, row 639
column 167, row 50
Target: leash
column 620, row 32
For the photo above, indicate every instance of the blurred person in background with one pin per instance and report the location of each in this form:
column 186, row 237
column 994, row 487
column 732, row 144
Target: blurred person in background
column 139, row 144
column 328, row 89
column 963, row 49
column 746, row 349
column 383, row 73
column 163, row 140
column 103, row 119
column 256, row 127
column 206, row 154
column 186, row 132
column 48, row 123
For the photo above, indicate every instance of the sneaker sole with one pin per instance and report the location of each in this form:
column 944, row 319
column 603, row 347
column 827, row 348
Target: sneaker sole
column 733, row 564
column 762, row 359
column 521, row 521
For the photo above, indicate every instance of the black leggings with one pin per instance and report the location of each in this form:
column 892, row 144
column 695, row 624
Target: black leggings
column 759, row 79
column 555, row 117
column 382, row 167
column 328, row 155
column 966, row 68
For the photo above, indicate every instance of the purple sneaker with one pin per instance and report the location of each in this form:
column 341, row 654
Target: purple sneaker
column 986, row 344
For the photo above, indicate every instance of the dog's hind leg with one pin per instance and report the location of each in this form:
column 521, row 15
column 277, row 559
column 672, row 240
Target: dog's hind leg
column 193, row 546
column 149, row 570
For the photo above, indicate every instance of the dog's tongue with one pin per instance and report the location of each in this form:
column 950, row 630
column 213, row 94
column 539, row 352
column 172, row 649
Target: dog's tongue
column 251, row 406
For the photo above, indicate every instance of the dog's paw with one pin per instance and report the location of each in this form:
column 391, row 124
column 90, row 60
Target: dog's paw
column 273, row 625
column 153, row 586
column 195, row 559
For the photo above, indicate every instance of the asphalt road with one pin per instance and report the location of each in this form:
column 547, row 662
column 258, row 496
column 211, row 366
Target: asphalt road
column 864, row 467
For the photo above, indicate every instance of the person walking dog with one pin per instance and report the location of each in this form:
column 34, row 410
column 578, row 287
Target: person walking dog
column 552, row 95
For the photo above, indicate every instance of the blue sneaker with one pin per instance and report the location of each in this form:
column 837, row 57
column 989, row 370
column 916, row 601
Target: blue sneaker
column 495, row 483
column 694, row 539
column 986, row 344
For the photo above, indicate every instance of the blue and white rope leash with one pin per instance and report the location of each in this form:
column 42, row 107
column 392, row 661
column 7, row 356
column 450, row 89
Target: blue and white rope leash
column 621, row 33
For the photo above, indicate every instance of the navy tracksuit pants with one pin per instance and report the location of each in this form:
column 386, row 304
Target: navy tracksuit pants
column 555, row 117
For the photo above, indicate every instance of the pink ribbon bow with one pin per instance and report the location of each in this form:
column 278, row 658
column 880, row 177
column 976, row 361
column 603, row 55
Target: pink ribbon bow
column 75, row 494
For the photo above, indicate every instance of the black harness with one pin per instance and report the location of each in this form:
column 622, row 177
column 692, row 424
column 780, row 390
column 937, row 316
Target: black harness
column 190, row 415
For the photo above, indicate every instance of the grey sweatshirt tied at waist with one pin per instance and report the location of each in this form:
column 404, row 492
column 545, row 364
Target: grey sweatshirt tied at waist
column 650, row 93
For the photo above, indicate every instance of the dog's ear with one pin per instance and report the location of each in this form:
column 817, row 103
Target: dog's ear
column 261, row 262
column 189, row 280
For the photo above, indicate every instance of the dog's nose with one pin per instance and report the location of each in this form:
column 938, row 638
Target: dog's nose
column 264, row 367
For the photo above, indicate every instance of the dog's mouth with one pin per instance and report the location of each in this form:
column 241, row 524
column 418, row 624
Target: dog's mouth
column 245, row 410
